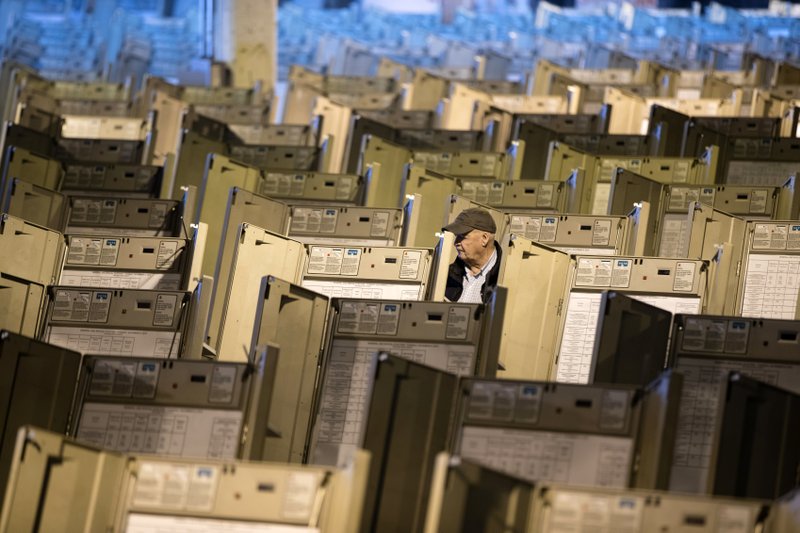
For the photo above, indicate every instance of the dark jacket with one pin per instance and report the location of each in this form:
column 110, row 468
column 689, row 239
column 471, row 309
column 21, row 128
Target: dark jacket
column 455, row 277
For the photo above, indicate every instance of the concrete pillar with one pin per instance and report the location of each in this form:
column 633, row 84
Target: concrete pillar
column 245, row 37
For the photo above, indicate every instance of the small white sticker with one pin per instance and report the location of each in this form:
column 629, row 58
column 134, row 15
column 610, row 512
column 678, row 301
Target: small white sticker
column 164, row 313
column 410, row 264
column 167, row 254
column 684, row 277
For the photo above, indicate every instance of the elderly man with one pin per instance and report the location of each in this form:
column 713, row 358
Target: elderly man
column 477, row 266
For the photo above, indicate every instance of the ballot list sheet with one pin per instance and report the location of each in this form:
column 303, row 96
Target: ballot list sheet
column 365, row 289
column 674, row 238
column 99, row 341
column 700, row 414
column 162, row 430
column 109, row 279
column 574, row 458
column 348, row 387
column 771, row 286
column 574, row 362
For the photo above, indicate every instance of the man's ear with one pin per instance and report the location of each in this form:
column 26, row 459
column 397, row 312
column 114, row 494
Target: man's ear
column 484, row 239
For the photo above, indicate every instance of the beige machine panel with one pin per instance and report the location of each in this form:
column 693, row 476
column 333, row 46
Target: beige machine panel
column 576, row 434
column 318, row 224
column 257, row 253
column 118, row 322
column 44, row 207
column 446, row 336
column 221, row 173
column 126, row 216
column 34, row 168
column 178, row 408
column 770, row 279
column 740, row 200
column 38, row 252
column 518, row 196
column 435, row 190
column 559, row 508
column 21, row 305
column 311, row 187
column 393, row 273
column 132, row 180
column 246, row 497
column 675, row 285
column 294, row 319
column 244, row 207
column 190, row 165
column 269, row 157
column 61, row 485
column 574, row 234
column 785, row 514
column 383, row 164
column 630, row 190
column 599, row 171
column 277, row 134
column 704, row 350
column 111, row 128
column 464, row 164
column 127, row 262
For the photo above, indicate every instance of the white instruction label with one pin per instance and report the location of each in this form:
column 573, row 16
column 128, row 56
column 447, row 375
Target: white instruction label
column 223, row 383
column 758, row 201
column 549, row 229
column 621, row 273
column 325, row 260
column 527, row 226
column 358, row 317
column 684, row 276
column 167, row 254
column 112, row 378
column 177, row 487
column 301, row 491
column 380, row 224
column 344, row 188
column 410, row 264
column 601, row 232
column 351, row 260
column 84, row 251
column 577, row 511
column 93, row 211
column 592, row 272
column 164, row 313
column 72, row 306
column 149, row 523
column 770, row 237
column 457, row 322
column 388, row 319
column 546, row 195
column 158, row 215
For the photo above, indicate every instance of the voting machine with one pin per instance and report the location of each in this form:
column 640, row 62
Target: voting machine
column 355, row 226
column 25, row 274
column 705, row 349
column 132, row 322
column 675, row 285
column 179, row 408
column 452, row 337
column 121, row 215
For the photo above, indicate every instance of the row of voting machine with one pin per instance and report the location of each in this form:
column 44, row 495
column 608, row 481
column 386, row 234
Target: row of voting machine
column 214, row 322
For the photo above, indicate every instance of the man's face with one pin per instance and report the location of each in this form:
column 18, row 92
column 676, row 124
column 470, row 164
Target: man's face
column 470, row 246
